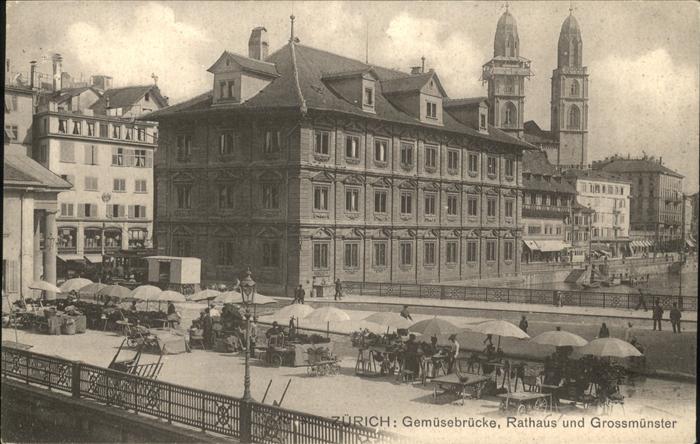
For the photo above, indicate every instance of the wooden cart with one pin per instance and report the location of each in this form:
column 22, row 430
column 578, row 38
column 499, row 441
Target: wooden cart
column 525, row 402
column 463, row 386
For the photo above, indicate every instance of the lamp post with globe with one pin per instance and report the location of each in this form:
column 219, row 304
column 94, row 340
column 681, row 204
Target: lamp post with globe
column 247, row 287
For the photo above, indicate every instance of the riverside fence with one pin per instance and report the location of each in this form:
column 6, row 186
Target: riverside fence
column 517, row 295
column 249, row 422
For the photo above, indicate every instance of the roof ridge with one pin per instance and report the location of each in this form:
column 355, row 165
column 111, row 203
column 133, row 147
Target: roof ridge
column 369, row 65
column 295, row 70
column 249, row 58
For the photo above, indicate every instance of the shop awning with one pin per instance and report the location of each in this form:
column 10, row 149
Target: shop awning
column 648, row 243
column 637, row 244
column 552, row 245
column 532, row 245
column 689, row 243
column 65, row 257
column 94, row 258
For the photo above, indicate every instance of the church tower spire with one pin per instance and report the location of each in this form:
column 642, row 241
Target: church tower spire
column 570, row 96
column 505, row 75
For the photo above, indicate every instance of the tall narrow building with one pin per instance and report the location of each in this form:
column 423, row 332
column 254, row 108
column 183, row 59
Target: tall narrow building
column 505, row 75
column 570, row 97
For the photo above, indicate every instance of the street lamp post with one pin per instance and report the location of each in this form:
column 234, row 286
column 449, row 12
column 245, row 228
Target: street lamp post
column 247, row 286
column 106, row 197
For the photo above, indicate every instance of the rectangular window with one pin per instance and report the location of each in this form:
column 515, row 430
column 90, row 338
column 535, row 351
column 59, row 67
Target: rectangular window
column 482, row 121
column 231, row 89
column 270, row 253
column 321, row 198
column 379, row 254
column 270, row 196
column 137, row 212
column 352, row 256
column 67, row 152
column 509, row 208
column 226, row 143
column 273, row 141
column 380, row 201
column 429, row 208
column 429, row 253
column 129, row 133
column 451, row 252
column 369, row 96
column 184, row 196
column 491, row 207
column 116, row 132
column 67, row 210
column 352, row 197
column 406, row 154
column 431, row 156
column 510, row 167
column 472, row 204
column 352, row 147
column 90, row 155
column 104, row 129
column 13, row 132
column 184, row 147
column 226, row 249
column 380, row 149
column 406, row 202
column 405, row 253
column 90, row 210
column 320, row 256
column 119, row 186
column 117, row 156
column 140, row 186
column 91, row 183
column 140, row 158
column 452, row 160
column 508, row 251
column 225, row 196
column 491, row 166
column 490, row 251
column 471, row 251
column 558, row 229
column 534, row 229
column 431, row 110
column 473, row 160
column 452, row 205
column 62, row 126
column 322, row 143
column 141, row 134
column 91, row 129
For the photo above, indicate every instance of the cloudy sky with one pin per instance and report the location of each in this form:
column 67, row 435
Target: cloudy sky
column 642, row 57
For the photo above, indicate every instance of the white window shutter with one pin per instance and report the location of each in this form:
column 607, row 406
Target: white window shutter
column 131, row 211
column 149, row 159
column 121, row 210
column 81, row 210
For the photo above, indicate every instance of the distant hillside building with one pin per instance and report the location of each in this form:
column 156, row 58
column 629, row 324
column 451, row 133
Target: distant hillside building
column 656, row 206
column 310, row 167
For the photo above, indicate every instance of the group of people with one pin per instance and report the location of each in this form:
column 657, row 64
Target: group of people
column 300, row 293
column 657, row 313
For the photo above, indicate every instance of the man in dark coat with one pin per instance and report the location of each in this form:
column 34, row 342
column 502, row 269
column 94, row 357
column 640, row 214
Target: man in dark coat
column 675, row 316
column 523, row 324
column 642, row 302
column 338, row 290
column 657, row 314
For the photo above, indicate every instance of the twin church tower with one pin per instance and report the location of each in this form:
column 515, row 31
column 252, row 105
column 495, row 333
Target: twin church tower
column 566, row 142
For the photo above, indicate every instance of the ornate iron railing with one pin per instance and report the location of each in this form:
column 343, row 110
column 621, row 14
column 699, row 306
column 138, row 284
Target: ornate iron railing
column 518, row 295
column 207, row 411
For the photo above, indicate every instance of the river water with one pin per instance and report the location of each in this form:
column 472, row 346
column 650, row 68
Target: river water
column 686, row 283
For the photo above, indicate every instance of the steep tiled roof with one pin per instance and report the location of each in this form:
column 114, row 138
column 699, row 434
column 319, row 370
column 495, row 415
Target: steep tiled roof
column 300, row 84
column 69, row 93
column 468, row 101
column 249, row 64
column 536, row 168
column 21, row 170
column 409, row 83
column 634, row 166
column 594, row 175
column 126, row 97
column 534, row 134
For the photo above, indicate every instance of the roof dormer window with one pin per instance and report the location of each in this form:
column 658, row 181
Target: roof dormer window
column 369, row 96
column 431, row 110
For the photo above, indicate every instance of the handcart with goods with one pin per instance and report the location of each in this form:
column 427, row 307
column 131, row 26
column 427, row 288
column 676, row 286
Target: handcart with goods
column 322, row 362
column 132, row 366
column 461, row 384
column 525, row 402
column 278, row 352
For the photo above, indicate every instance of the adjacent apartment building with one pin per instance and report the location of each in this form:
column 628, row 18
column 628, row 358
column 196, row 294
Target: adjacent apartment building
column 89, row 136
column 607, row 195
column 309, row 167
column 656, row 205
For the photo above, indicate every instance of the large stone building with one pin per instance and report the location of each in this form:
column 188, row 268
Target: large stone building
column 90, row 138
column 607, row 195
column 309, row 166
column 505, row 75
column 566, row 144
column 656, row 206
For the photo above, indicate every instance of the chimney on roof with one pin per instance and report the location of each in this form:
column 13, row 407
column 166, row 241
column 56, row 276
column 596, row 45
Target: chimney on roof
column 415, row 70
column 661, row 160
column 258, row 44
column 57, row 72
column 32, row 75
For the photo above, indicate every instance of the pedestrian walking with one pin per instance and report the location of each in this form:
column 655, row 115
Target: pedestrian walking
column 657, row 314
column 338, row 290
column 299, row 294
column 629, row 334
column 603, row 332
column 675, row 316
column 641, row 302
column 454, row 353
column 405, row 314
column 523, row 324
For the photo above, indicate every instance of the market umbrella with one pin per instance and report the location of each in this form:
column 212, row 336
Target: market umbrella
column 612, row 347
column 145, row 293
column 434, row 327
column 91, row 290
column 234, row 297
column 500, row 328
column 389, row 320
column 171, row 296
column 292, row 311
column 327, row 314
column 205, row 294
column 74, row 284
column 357, row 325
column 559, row 338
column 115, row 291
column 44, row 286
